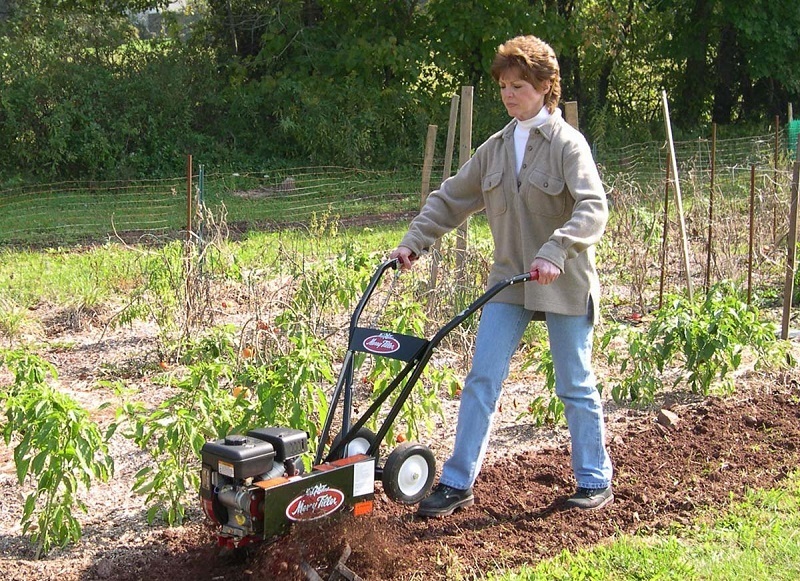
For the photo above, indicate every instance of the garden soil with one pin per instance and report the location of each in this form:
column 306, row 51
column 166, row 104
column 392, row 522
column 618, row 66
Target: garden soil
column 673, row 463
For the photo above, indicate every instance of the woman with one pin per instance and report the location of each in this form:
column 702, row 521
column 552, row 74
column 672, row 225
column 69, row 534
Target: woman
column 546, row 209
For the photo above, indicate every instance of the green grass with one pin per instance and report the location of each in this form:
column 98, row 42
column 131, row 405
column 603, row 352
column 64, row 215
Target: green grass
column 58, row 275
column 756, row 539
column 28, row 277
column 68, row 213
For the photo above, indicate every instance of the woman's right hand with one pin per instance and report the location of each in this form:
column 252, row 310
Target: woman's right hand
column 405, row 255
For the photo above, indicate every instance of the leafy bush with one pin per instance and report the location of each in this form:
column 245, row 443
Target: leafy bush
column 203, row 408
column 705, row 337
column 288, row 389
column 85, row 98
column 56, row 445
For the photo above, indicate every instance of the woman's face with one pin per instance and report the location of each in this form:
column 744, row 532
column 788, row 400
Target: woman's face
column 522, row 99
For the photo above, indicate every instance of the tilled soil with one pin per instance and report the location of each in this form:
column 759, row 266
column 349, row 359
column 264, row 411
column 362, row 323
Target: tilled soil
column 664, row 475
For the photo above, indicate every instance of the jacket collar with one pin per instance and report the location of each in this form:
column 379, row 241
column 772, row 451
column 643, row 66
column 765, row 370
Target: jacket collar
column 546, row 129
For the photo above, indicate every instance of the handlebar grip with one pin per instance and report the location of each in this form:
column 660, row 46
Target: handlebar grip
column 395, row 262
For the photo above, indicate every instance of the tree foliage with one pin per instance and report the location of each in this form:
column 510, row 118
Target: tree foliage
column 254, row 82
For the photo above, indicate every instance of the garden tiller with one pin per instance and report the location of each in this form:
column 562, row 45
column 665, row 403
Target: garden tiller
column 253, row 486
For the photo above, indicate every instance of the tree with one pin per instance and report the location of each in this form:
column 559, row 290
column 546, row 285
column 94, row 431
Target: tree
column 15, row 8
column 736, row 60
column 352, row 82
column 693, row 34
column 766, row 36
column 81, row 96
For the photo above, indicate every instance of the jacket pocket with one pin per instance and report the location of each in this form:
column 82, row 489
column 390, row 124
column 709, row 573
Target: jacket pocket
column 493, row 194
column 545, row 195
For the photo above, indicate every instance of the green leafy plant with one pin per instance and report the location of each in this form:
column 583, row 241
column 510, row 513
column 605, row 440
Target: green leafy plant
column 221, row 395
column 326, row 288
column 417, row 415
column 203, row 408
column 706, row 338
column 228, row 388
column 288, row 390
column 544, row 410
column 56, row 446
column 158, row 297
column 640, row 367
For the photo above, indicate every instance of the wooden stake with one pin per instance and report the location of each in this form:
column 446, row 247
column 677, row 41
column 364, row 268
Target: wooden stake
column 571, row 113
column 775, row 154
column 446, row 171
column 451, row 138
column 464, row 153
column 678, row 199
column 709, row 242
column 664, row 235
column 427, row 164
column 791, row 243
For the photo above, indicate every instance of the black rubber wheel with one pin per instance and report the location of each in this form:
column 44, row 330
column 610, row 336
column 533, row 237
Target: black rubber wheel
column 358, row 445
column 409, row 472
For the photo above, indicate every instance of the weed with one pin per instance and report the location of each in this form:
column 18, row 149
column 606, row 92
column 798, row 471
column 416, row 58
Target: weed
column 175, row 289
column 12, row 319
column 543, row 410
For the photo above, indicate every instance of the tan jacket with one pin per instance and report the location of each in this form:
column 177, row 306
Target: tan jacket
column 556, row 209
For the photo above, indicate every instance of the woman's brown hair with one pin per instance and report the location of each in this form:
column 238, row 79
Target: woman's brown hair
column 535, row 61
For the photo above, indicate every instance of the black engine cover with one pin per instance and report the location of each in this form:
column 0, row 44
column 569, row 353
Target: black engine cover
column 287, row 442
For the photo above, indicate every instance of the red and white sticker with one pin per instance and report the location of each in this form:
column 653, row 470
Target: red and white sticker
column 381, row 344
column 316, row 502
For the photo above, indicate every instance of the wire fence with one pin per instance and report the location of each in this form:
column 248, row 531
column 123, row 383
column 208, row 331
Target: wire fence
column 647, row 162
column 723, row 181
column 70, row 212
column 735, row 226
column 76, row 212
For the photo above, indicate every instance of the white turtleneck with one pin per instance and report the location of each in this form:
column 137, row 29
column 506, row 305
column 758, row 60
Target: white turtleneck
column 523, row 130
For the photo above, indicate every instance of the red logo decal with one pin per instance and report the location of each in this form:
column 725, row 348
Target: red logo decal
column 381, row 344
column 316, row 502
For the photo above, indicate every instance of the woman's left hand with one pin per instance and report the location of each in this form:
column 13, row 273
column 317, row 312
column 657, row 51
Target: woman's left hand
column 548, row 272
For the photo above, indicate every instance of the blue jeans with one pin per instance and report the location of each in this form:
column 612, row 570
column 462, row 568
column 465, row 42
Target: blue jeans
column 499, row 333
